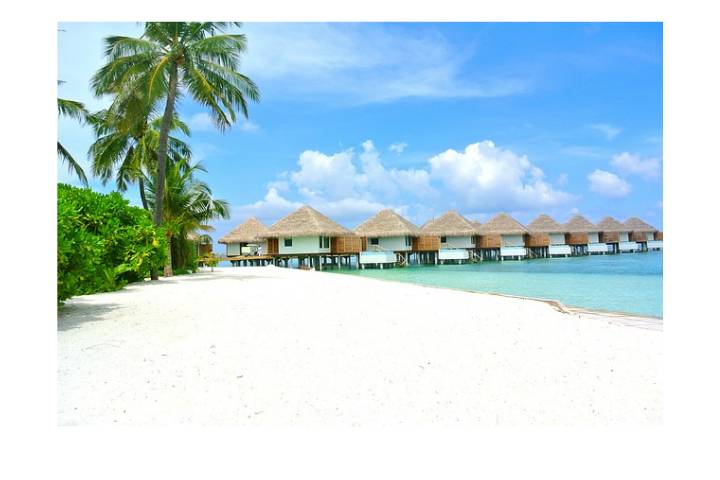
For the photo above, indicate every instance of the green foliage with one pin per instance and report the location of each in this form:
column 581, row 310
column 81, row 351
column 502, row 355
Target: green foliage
column 210, row 260
column 184, row 256
column 103, row 243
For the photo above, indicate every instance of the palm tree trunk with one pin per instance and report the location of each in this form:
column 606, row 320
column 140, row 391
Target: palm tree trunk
column 168, row 260
column 162, row 154
column 141, row 186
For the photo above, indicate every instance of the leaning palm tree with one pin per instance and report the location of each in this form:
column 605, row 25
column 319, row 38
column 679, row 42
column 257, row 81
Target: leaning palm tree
column 188, row 204
column 128, row 150
column 171, row 58
column 77, row 111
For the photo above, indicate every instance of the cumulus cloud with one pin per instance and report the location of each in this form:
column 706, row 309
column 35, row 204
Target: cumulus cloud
column 352, row 185
column 609, row 131
column 608, row 184
column 325, row 175
column 398, row 147
column 631, row 164
column 488, row 177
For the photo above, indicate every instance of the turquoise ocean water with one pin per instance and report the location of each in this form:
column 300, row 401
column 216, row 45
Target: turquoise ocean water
column 630, row 283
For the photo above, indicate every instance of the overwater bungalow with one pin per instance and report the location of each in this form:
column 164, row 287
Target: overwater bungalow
column 583, row 237
column 312, row 238
column 641, row 233
column 387, row 239
column 245, row 240
column 455, row 235
column 657, row 242
column 616, row 236
column 202, row 243
column 502, row 237
column 546, row 238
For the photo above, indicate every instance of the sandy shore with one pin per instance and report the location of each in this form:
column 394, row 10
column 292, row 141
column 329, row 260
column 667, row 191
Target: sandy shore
column 273, row 346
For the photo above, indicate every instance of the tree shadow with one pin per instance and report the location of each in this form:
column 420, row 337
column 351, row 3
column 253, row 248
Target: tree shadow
column 85, row 309
column 80, row 311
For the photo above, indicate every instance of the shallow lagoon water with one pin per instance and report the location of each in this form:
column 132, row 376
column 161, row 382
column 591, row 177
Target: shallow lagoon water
column 630, row 283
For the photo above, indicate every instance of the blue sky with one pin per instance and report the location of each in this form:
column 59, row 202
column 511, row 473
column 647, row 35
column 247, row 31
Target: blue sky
column 525, row 118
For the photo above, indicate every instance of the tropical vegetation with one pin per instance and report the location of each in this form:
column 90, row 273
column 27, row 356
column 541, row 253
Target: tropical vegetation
column 129, row 151
column 76, row 110
column 171, row 58
column 140, row 139
column 188, row 207
column 103, row 242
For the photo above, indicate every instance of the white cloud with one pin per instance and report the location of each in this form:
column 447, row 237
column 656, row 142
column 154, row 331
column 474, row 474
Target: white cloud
column 631, row 164
column 203, row 122
column 248, row 126
column 608, row 184
column 489, row 177
column 350, row 186
column 368, row 63
column 398, row 147
column 325, row 175
column 609, row 131
column 346, row 186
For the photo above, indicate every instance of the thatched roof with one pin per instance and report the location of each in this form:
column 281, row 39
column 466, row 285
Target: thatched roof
column 500, row 224
column 449, row 223
column 634, row 224
column 609, row 224
column 545, row 224
column 387, row 223
column 247, row 232
column 306, row 221
column 202, row 238
column 579, row 224
column 477, row 226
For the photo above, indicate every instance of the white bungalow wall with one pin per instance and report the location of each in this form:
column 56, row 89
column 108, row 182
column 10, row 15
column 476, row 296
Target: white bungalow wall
column 260, row 248
column 453, row 254
column 458, row 242
column 232, row 249
column 597, row 247
column 624, row 236
column 302, row 245
column 512, row 241
column 235, row 249
column 628, row 246
column 557, row 239
column 593, row 237
column 559, row 250
column 390, row 244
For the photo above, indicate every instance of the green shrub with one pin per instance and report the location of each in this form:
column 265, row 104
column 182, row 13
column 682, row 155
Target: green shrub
column 184, row 257
column 103, row 242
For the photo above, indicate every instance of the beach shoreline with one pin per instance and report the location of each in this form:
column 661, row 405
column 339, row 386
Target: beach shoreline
column 275, row 346
column 633, row 319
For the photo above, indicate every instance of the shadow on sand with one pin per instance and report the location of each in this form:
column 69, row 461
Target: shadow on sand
column 84, row 309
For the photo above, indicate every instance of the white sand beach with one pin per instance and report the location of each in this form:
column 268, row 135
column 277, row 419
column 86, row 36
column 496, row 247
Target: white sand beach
column 275, row 346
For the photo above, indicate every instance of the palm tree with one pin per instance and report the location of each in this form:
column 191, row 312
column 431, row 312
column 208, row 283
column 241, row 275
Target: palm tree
column 188, row 204
column 76, row 110
column 128, row 151
column 171, row 58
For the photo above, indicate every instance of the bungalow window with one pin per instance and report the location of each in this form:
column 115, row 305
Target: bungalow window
column 443, row 239
column 374, row 241
column 287, row 242
column 408, row 241
column 324, row 242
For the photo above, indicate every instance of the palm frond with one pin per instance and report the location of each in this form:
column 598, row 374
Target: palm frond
column 73, row 166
